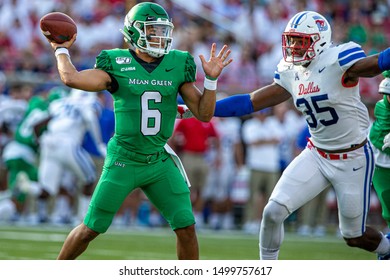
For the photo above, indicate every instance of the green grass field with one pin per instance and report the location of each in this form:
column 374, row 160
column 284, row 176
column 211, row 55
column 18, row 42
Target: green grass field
column 44, row 243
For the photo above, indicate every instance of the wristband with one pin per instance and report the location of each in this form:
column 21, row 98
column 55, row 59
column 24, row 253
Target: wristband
column 384, row 60
column 61, row 50
column 211, row 78
column 210, row 84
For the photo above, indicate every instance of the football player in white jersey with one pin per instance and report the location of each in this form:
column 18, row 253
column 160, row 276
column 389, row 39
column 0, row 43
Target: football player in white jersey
column 323, row 80
column 61, row 145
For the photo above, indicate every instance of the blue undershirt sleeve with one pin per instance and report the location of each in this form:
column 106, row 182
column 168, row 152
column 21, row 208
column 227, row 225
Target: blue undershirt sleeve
column 384, row 60
column 234, row 106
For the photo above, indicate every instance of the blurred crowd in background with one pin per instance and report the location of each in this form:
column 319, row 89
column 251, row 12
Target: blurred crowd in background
column 251, row 28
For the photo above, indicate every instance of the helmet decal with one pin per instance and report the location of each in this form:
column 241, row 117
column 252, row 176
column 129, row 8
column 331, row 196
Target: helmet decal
column 321, row 23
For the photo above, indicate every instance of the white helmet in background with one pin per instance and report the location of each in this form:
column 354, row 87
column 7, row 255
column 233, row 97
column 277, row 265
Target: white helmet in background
column 384, row 86
column 306, row 35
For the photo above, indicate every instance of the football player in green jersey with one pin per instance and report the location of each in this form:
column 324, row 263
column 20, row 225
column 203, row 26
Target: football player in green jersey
column 380, row 136
column 144, row 82
column 21, row 155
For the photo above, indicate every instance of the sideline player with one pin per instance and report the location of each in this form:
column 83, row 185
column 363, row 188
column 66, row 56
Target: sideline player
column 144, row 82
column 61, row 148
column 323, row 80
column 380, row 138
column 21, row 154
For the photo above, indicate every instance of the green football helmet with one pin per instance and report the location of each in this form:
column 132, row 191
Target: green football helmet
column 148, row 27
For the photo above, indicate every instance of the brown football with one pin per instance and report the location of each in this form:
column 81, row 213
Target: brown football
column 58, row 27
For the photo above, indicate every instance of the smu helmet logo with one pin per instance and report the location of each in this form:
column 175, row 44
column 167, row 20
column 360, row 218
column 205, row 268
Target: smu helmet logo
column 321, row 23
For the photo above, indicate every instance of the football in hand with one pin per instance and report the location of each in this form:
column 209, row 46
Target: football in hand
column 58, row 27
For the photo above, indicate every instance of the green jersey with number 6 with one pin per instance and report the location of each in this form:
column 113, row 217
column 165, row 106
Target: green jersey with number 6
column 145, row 101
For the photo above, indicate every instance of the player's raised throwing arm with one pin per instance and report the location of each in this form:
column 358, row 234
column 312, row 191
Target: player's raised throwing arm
column 88, row 80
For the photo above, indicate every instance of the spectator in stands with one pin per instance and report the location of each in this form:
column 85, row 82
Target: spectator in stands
column 222, row 175
column 262, row 135
column 192, row 140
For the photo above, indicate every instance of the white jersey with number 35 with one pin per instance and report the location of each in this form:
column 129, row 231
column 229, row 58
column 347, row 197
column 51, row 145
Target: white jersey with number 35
column 336, row 116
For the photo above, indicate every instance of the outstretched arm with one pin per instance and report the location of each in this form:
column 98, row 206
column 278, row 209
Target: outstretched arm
column 244, row 104
column 234, row 106
column 370, row 66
